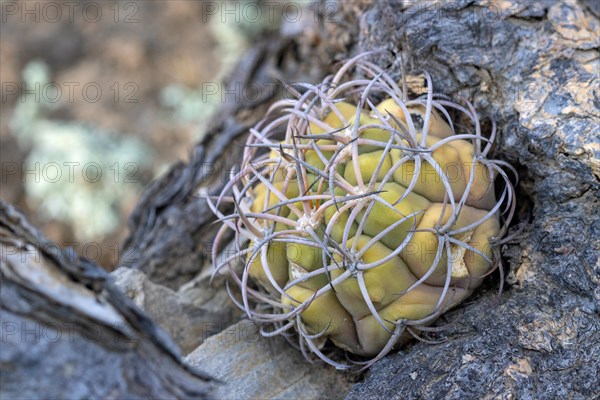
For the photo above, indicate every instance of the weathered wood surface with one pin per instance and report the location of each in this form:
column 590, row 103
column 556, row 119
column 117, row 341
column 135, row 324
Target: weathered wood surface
column 68, row 333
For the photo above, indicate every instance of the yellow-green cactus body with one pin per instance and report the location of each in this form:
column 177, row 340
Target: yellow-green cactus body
column 382, row 283
column 481, row 194
column 303, row 258
column 437, row 125
column 347, row 113
column 325, row 313
column 383, row 216
column 367, row 164
column 414, row 305
column 276, row 264
column 429, row 181
column 340, row 223
column 421, row 251
column 284, row 190
column 385, row 237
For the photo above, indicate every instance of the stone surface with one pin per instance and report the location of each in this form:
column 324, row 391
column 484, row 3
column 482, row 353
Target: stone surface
column 189, row 316
column 253, row 367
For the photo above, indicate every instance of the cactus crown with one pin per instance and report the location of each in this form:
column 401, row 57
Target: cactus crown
column 365, row 222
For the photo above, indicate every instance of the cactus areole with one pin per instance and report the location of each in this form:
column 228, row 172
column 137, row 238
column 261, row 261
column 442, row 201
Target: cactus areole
column 357, row 222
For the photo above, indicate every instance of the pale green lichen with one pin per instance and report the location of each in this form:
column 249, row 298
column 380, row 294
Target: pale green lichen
column 73, row 172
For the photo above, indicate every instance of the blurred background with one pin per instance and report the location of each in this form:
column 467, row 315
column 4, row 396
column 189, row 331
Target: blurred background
column 100, row 97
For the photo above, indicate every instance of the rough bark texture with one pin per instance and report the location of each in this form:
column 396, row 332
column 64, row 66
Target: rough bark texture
column 533, row 67
column 535, row 70
column 67, row 332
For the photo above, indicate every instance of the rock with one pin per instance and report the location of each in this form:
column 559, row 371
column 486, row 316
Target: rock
column 190, row 315
column 253, row 367
column 69, row 333
column 538, row 77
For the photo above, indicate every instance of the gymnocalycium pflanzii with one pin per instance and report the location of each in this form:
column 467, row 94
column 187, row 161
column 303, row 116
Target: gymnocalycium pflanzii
column 359, row 222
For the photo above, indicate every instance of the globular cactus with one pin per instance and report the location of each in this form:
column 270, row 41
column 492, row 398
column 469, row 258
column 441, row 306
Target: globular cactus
column 357, row 223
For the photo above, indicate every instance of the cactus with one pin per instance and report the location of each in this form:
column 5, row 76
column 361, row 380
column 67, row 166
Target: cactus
column 359, row 224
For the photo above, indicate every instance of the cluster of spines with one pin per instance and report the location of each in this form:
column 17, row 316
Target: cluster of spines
column 294, row 118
